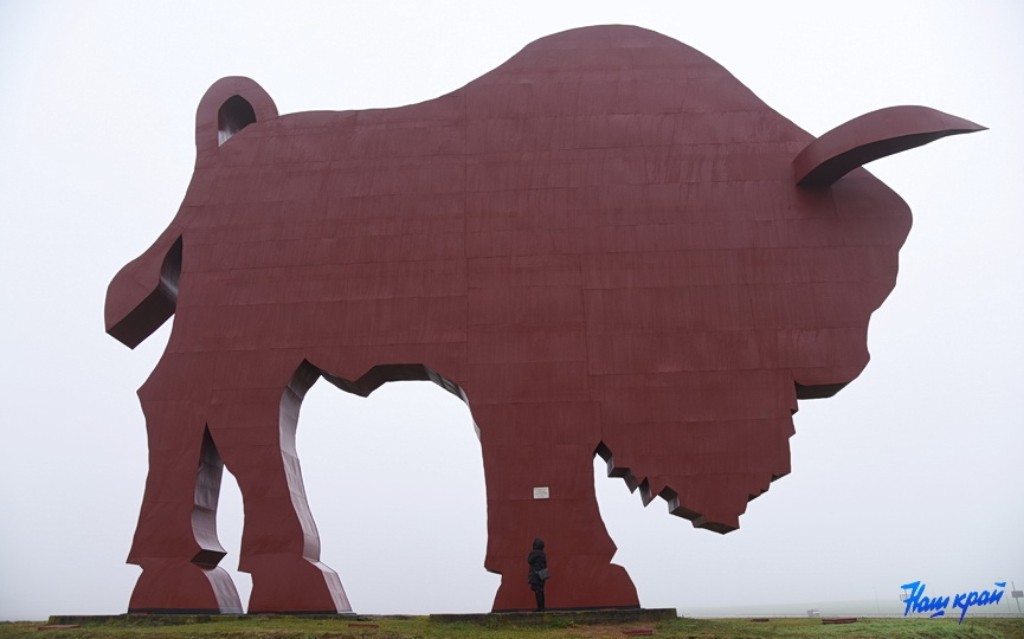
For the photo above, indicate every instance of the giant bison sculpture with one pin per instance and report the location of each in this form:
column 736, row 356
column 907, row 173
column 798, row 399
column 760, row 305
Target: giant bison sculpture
column 607, row 245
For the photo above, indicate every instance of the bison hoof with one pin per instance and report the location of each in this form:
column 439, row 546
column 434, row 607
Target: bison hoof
column 175, row 587
column 291, row 584
column 577, row 584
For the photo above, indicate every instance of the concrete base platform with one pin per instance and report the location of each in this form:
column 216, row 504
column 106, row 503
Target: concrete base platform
column 174, row 619
column 575, row 617
column 492, row 619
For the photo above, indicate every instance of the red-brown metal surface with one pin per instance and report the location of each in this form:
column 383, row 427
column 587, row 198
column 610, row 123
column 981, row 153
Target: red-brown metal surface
column 600, row 245
column 871, row 136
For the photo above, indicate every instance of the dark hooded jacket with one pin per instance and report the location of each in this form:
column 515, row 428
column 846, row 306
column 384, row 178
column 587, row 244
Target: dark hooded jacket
column 538, row 561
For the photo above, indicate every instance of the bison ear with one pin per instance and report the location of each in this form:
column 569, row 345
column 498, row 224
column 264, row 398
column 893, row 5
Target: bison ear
column 227, row 107
column 871, row 136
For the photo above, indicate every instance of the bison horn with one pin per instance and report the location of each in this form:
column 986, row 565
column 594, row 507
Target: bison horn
column 871, row 136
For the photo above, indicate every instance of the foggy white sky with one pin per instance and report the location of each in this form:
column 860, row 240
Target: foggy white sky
column 913, row 472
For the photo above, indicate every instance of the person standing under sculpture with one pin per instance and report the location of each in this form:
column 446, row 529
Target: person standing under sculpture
column 538, row 571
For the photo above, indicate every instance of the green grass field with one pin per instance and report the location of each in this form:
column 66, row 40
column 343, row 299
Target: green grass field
column 551, row 626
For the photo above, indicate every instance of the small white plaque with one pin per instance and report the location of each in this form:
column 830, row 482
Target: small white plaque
column 541, row 492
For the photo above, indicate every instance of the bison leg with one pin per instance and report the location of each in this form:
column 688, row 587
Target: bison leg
column 176, row 539
column 255, row 432
column 540, row 483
